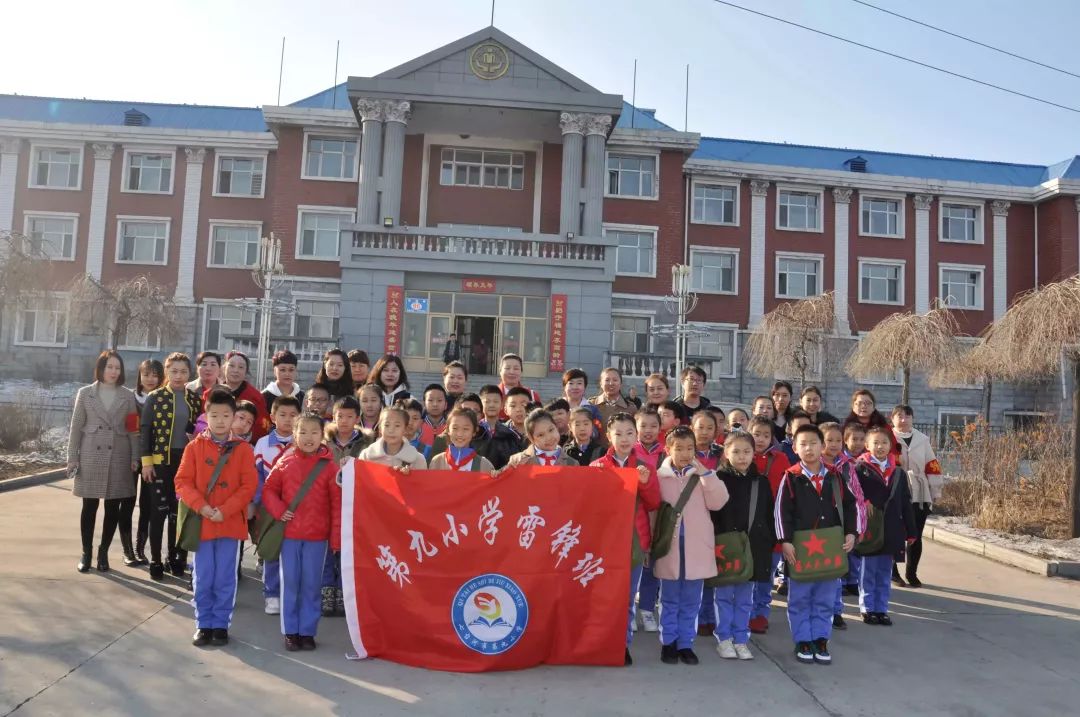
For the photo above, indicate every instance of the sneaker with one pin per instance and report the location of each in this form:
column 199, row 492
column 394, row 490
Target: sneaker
column 202, row 637
column 742, row 651
column 307, row 642
column 648, row 621
column 913, row 581
column 157, row 572
column 852, row 589
column 821, row 652
column 838, row 622
column 669, row 654
column 804, row 653
column 759, row 625
column 870, row 618
column 292, row 643
column 687, row 656
column 339, row 602
column 726, row 650
column 220, row 638
column 272, row 606
column 328, row 602
column 884, row 619
column 782, row 589
column 627, row 659
column 705, row 629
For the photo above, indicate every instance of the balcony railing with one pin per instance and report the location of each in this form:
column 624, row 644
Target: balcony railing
column 309, row 352
column 640, row 365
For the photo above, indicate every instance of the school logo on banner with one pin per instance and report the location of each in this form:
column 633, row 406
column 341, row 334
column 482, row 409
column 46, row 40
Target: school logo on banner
column 490, row 614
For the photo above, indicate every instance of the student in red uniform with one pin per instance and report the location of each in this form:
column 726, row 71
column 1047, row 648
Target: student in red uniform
column 833, row 456
column 650, row 451
column 771, row 463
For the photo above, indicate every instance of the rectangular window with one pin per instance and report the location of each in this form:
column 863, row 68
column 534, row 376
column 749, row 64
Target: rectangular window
column 713, row 272
column 51, row 237
column 797, row 277
column 240, row 176
column 234, row 245
column 631, row 175
column 150, row 173
column 882, row 217
column 630, row 334
column 715, row 344
column 960, row 223
column 714, row 204
column 951, row 427
column 223, row 322
column 798, row 210
column 56, row 168
column 317, row 319
column 142, row 241
column 482, row 168
column 139, row 338
column 881, row 283
column 962, row 287
column 42, row 323
column 634, row 252
column 330, row 157
column 320, row 234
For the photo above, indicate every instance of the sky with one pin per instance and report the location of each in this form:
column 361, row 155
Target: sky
column 750, row 77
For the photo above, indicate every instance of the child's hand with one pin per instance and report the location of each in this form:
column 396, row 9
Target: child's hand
column 218, row 516
column 403, row 469
column 206, row 512
column 250, row 512
column 849, row 543
column 287, row 516
column 642, row 475
column 789, row 552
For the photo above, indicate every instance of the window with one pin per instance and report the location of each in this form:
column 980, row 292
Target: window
column 330, row 158
column 797, row 277
column 952, row 423
column 139, row 338
column 222, row 322
column 635, row 251
column 43, row 323
column 713, row 271
column 881, row 282
column 150, row 173
column 317, row 319
column 717, row 344
column 234, row 245
column 961, row 223
column 51, row 236
column 882, row 216
column 715, row 204
column 630, row 334
column 798, row 211
column 482, row 168
column 240, row 176
column 1026, row 420
column 631, row 175
column 962, row 286
column 320, row 234
column 56, row 167
column 142, row 241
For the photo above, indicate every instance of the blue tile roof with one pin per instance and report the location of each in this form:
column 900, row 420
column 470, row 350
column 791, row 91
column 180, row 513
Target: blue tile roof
column 637, row 118
column 325, row 100
column 111, row 112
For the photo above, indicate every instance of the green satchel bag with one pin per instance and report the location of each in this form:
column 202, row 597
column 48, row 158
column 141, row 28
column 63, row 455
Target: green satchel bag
column 269, row 532
column 873, row 540
column 188, row 521
column 819, row 553
column 734, row 559
column 667, row 516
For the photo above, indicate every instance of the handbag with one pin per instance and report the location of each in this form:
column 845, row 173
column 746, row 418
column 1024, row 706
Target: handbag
column 828, row 543
column 269, row 532
column 734, row 558
column 873, row 540
column 188, row 521
column 667, row 516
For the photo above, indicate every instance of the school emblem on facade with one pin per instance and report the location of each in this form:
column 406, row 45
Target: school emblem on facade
column 490, row 613
column 489, row 61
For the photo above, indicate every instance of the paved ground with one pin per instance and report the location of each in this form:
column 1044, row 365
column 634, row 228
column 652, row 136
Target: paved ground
column 983, row 640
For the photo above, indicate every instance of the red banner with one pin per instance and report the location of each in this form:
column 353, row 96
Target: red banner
column 395, row 305
column 478, row 286
column 461, row 571
column 557, row 347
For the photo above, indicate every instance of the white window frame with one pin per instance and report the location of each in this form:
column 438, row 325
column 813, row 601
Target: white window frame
column 122, row 219
column 32, row 170
column 30, row 215
column 980, row 220
column 349, row 212
column 796, row 189
column 634, row 153
column 213, row 224
column 241, row 154
column 640, row 228
column 726, row 185
column 801, row 256
column 332, row 135
column 734, row 329
column 61, row 297
column 483, row 166
column 901, row 225
column 229, row 304
column 731, row 251
column 312, row 297
column 636, row 314
column 980, row 293
column 124, row 177
column 875, row 261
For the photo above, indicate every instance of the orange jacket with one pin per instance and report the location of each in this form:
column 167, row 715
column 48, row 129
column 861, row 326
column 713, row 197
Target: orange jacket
column 234, row 489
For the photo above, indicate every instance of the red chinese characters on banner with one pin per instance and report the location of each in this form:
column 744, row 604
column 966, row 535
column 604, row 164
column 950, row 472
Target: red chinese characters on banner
column 557, row 344
column 395, row 304
column 478, row 286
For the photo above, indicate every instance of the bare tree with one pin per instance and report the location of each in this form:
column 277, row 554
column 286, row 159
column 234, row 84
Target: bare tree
column 923, row 342
column 125, row 308
column 980, row 362
column 791, row 337
column 24, row 272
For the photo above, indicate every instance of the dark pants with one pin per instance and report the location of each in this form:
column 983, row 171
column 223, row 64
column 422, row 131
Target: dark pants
column 914, row 551
column 163, row 509
column 127, row 512
column 89, row 518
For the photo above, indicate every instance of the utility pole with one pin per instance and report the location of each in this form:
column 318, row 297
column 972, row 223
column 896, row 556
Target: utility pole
column 268, row 274
column 681, row 302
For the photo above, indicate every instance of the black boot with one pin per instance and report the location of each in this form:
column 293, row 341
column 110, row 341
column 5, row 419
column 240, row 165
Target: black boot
column 84, row 562
column 129, row 553
column 140, row 547
column 103, row 560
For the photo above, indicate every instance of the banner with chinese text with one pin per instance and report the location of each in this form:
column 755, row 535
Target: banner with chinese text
column 557, row 348
column 395, row 303
column 461, row 571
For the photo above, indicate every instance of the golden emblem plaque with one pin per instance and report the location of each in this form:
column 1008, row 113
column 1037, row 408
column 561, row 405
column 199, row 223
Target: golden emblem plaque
column 489, row 61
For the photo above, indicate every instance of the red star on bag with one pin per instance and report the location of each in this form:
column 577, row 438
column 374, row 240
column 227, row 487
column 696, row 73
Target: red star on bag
column 720, row 552
column 814, row 545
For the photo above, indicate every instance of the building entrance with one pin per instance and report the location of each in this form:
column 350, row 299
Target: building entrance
column 476, row 334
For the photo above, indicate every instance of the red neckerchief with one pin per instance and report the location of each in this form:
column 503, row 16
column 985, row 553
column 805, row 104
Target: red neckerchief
column 367, row 427
column 467, row 456
column 547, row 458
column 890, row 466
column 437, row 428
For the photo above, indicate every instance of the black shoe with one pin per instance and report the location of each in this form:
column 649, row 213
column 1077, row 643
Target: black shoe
column 202, row 637
column 84, row 563
column 913, row 581
column 687, row 656
column 339, row 602
column 884, row 619
column 821, row 652
column 852, row 589
column 627, row 660
column 157, row 571
column 292, row 643
column 870, row 618
column 896, row 579
column 838, row 622
column 129, row 553
column 103, row 560
column 177, row 567
column 669, row 654
column 140, row 557
column 327, row 607
column 307, row 642
column 782, row 590
column 220, row 637
column 804, row 653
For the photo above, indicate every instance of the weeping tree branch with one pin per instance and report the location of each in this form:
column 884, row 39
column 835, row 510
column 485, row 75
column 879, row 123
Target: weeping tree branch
column 790, row 336
column 125, row 308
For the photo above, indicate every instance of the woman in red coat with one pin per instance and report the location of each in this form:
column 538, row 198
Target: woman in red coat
column 237, row 367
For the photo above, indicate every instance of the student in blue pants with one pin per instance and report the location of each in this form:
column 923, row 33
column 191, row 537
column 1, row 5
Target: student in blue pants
column 268, row 450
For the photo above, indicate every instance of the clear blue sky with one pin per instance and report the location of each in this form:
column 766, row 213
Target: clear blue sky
column 750, row 77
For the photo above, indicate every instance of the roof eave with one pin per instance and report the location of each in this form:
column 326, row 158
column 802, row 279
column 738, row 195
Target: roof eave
column 66, row 131
column 655, row 138
column 309, row 116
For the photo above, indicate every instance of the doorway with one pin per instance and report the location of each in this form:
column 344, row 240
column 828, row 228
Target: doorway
column 476, row 336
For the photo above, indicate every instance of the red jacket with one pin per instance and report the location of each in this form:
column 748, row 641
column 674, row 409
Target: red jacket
column 775, row 474
column 651, row 457
column 318, row 517
column 648, row 493
column 233, row 491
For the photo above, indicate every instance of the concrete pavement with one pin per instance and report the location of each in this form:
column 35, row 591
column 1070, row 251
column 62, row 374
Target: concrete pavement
column 981, row 639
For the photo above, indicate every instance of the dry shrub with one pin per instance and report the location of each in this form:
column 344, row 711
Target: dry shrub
column 21, row 424
column 1015, row 482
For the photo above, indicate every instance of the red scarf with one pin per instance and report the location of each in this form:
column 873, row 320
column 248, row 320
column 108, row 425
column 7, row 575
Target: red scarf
column 890, row 466
column 467, row 457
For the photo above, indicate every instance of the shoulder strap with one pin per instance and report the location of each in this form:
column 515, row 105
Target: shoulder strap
column 894, row 486
column 753, row 505
column 838, row 499
column 768, row 463
column 680, row 504
column 308, row 482
column 222, row 460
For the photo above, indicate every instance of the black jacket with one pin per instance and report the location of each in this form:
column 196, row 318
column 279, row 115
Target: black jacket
column 498, row 447
column 590, row 454
column 799, row 507
column 451, row 351
column 825, row 417
column 736, row 512
column 899, row 516
column 688, row 412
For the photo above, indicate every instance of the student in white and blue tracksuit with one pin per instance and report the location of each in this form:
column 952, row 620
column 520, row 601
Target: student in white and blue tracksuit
column 268, row 450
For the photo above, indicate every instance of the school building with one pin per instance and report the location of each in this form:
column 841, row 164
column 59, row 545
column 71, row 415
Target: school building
column 480, row 189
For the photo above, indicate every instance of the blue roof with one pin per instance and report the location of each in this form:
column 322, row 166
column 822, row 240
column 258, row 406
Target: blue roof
column 638, row 118
column 325, row 100
column 111, row 112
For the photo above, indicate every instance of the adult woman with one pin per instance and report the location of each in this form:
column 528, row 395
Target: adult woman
column 389, row 375
column 236, row 372
column 864, row 411
column 510, row 368
column 358, row 367
column 103, row 453
column 810, row 401
column 657, row 390
column 208, row 367
column 335, row 374
column 781, row 397
column 455, row 378
column 917, row 457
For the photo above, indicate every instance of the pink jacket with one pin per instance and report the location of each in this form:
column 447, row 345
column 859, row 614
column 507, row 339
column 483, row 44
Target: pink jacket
column 699, row 540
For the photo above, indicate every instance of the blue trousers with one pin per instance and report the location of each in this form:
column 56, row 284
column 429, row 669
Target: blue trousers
column 331, row 574
column 763, row 590
column 635, row 580
column 707, row 614
column 876, row 583
column 648, row 590
column 732, row 605
column 214, row 582
column 854, row 573
column 301, row 567
column 810, row 609
column 271, row 578
column 838, row 606
column 680, row 603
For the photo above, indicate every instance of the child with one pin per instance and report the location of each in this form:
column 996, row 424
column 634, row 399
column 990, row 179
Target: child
column 737, row 420
column 692, row 558
column 371, row 405
column 885, row 486
column 721, row 427
column 924, row 476
column 622, row 436
column 543, row 449
column 806, row 501
column 498, row 441
column 391, row 448
column 317, row 400
column 706, row 428
column 244, row 420
column 221, row 506
column 434, row 424
column 798, row 418
column 345, row 442
column 732, row 604
column 581, row 446
column 771, row 463
column 269, row 449
column 670, row 417
column 461, row 455
column 649, row 451
column 854, row 446
column 413, row 432
column 472, row 402
column 151, row 376
column 316, row 520
column 560, row 411
column 833, row 456
column 517, row 408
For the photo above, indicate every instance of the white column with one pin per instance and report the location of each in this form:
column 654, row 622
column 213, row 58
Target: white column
column 922, row 252
column 841, row 281
column 397, row 113
column 371, row 116
column 758, row 191
column 189, row 225
column 99, row 209
column 596, row 132
column 573, row 130
column 1000, row 209
column 9, row 163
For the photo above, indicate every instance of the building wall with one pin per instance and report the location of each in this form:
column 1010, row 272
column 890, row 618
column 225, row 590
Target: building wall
column 725, row 308
column 480, row 205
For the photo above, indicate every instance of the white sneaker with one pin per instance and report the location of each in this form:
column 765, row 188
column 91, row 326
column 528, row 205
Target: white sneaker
column 742, row 651
column 726, row 650
column 648, row 622
column 633, row 626
column 272, row 606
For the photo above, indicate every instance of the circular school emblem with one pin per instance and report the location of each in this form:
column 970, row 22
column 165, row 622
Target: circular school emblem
column 489, row 613
column 489, row 61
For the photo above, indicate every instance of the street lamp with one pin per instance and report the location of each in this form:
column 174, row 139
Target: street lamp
column 268, row 274
column 680, row 303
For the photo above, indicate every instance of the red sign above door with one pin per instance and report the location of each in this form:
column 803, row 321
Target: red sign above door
column 478, row 286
